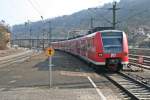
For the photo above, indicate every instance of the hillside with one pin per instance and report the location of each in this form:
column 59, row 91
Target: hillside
column 132, row 17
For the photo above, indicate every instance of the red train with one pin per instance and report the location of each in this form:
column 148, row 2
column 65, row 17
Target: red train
column 108, row 48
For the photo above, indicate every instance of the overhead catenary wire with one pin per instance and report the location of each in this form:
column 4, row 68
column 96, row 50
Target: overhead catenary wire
column 35, row 8
column 139, row 13
column 133, row 15
column 37, row 3
column 102, row 16
column 113, row 22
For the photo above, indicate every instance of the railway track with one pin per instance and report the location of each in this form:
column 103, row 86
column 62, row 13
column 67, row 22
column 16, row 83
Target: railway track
column 140, row 78
column 134, row 61
column 136, row 53
column 133, row 88
column 5, row 61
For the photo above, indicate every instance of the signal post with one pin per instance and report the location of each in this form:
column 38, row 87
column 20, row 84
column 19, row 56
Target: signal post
column 50, row 52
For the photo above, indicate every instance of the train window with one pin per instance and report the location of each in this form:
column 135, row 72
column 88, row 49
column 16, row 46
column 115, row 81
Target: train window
column 111, row 34
column 112, row 42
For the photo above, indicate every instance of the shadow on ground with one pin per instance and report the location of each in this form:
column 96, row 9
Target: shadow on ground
column 62, row 62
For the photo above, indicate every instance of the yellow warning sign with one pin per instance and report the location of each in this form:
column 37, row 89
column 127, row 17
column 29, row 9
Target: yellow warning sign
column 50, row 51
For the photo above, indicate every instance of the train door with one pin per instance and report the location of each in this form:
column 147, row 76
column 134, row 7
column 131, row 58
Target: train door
column 86, row 45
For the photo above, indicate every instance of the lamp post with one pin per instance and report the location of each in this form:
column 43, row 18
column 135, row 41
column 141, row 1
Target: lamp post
column 43, row 35
column 30, row 37
column 25, row 34
column 30, row 34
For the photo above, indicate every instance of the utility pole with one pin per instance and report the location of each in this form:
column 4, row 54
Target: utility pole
column 25, row 43
column 43, row 39
column 50, row 57
column 114, row 9
column 49, row 37
column 91, row 22
column 37, row 43
column 43, row 35
column 30, row 38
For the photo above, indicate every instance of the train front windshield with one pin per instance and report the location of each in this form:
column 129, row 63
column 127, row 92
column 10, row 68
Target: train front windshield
column 112, row 42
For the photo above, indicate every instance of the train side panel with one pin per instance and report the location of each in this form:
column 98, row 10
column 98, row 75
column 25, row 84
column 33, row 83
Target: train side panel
column 99, row 57
column 125, row 59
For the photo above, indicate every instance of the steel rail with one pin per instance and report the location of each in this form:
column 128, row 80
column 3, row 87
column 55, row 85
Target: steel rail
column 145, row 62
column 122, row 80
column 139, row 55
column 140, row 51
column 140, row 79
column 14, row 59
column 140, row 66
column 134, row 60
column 121, row 87
column 136, row 81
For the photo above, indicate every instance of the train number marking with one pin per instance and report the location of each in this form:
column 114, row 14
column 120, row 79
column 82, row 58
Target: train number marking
column 113, row 55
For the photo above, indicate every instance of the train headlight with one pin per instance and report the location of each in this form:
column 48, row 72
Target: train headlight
column 100, row 54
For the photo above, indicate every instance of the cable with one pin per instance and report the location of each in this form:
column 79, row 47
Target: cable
column 37, row 3
column 34, row 7
column 93, row 11
column 138, row 13
column 105, row 19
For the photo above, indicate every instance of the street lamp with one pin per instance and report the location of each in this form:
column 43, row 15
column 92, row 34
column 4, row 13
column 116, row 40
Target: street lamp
column 25, row 38
column 30, row 37
column 43, row 35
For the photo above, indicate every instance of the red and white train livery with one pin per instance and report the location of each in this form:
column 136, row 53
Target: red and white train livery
column 108, row 48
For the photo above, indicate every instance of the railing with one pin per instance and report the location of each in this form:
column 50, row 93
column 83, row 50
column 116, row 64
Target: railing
column 140, row 57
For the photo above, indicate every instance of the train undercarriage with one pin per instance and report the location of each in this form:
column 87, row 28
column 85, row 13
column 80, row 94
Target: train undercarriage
column 114, row 64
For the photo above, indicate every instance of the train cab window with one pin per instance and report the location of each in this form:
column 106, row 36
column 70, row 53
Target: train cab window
column 112, row 42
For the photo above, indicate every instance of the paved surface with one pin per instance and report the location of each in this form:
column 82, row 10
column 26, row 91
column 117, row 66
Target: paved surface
column 49, row 94
column 10, row 51
column 29, row 80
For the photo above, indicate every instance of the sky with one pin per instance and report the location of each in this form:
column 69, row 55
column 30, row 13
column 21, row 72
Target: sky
column 20, row 11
